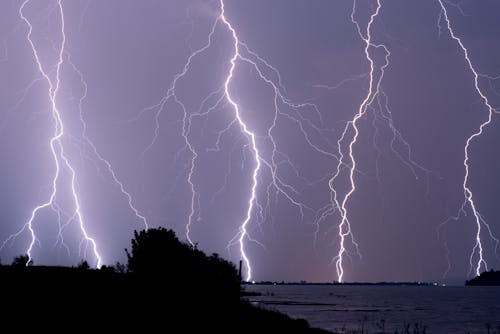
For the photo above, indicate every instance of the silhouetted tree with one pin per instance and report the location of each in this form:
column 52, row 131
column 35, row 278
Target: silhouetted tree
column 158, row 255
column 21, row 261
column 83, row 265
column 154, row 250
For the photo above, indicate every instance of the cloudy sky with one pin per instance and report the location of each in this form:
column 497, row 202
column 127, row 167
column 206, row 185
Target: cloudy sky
column 143, row 125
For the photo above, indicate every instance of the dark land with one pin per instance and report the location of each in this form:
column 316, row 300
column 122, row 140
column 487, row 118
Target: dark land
column 166, row 286
column 486, row 278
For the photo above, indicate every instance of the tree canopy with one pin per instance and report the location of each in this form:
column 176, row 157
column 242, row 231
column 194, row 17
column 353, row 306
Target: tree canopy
column 22, row 261
column 158, row 255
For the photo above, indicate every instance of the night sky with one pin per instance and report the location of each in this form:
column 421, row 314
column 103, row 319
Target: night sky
column 145, row 124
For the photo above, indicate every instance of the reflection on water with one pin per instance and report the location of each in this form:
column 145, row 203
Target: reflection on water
column 386, row 309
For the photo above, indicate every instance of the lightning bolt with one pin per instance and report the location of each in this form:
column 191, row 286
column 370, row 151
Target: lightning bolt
column 277, row 158
column 477, row 250
column 251, row 137
column 377, row 101
column 241, row 53
column 61, row 160
column 344, row 228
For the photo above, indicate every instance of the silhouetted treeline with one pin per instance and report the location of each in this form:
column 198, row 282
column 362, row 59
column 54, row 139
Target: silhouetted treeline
column 158, row 255
column 166, row 286
column 486, row 278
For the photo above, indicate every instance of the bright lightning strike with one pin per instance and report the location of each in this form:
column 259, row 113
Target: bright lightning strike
column 251, row 138
column 344, row 229
column 469, row 200
column 59, row 156
column 241, row 54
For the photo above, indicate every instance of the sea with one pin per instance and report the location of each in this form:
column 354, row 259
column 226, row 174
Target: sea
column 386, row 309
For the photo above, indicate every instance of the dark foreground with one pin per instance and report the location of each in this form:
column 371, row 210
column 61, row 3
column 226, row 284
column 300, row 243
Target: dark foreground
column 166, row 286
column 52, row 296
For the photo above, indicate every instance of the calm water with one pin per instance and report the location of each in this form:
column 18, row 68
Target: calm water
column 385, row 309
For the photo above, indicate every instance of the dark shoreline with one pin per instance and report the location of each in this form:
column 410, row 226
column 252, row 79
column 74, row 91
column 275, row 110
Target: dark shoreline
column 125, row 300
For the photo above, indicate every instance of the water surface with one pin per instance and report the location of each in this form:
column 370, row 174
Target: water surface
column 379, row 309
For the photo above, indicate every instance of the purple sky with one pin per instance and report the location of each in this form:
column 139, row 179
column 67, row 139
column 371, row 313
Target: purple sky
column 130, row 52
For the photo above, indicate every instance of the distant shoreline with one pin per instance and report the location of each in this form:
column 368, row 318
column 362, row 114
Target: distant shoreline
column 348, row 283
